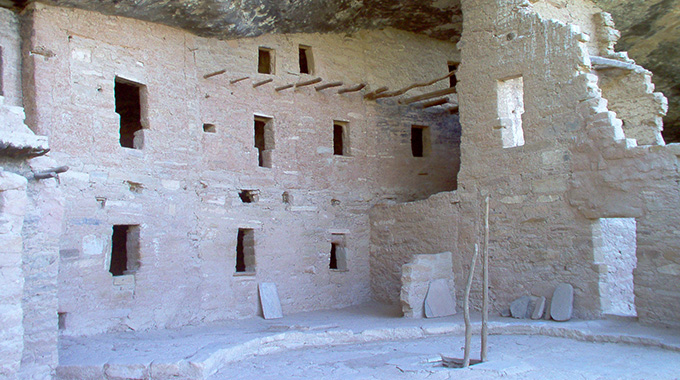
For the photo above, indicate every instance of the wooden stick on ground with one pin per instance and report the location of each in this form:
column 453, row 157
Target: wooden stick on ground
column 485, row 292
column 429, row 95
column 260, row 83
column 308, row 82
column 466, row 310
column 356, row 88
column 237, row 80
column 328, row 85
column 206, row 76
column 415, row 85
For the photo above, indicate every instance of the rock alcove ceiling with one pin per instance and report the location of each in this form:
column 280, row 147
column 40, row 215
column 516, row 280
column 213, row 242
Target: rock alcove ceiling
column 650, row 29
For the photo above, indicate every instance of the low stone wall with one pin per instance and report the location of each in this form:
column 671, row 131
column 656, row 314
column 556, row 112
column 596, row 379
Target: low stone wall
column 416, row 277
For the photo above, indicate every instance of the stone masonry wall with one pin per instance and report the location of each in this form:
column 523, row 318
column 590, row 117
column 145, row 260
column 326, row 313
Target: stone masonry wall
column 182, row 188
column 537, row 240
column 12, row 208
column 399, row 232
column 576, row 165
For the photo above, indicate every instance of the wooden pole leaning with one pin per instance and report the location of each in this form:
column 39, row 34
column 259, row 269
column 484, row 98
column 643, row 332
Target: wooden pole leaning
column 466, row 310
column 485, row 280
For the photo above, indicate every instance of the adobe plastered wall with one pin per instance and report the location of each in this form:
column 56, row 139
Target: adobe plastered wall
column 182, row 187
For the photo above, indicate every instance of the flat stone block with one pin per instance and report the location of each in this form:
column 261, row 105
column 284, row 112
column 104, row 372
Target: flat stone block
column 539, row 308
column 519, row 307
column 562, row 303
column 438, row 302
column 269, row 298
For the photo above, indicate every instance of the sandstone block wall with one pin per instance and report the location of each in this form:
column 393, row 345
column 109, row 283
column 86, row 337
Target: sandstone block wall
column 579, row 162
column 182, row 187
column 416, row 277
column 12, row 209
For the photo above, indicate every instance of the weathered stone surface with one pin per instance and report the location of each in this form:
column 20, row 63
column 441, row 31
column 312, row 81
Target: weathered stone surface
column 225, row 19
column 269, row 299
column 417, row 277
column 438, row 302
column 562, row 302
column 539, row 308
column 520, row 307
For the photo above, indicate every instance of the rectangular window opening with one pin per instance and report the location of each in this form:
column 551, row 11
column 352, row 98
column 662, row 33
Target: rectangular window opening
column 129, row 106
column 340, row 138
column 245, row 251
column 209, row 128
column 510, row 111
column 264, row 141
column 265, row 61
column 420, row 140
column 453, row 67
column 61, row 320
column 338, row 254
column 124, row 249
column 306, row 60
column 249, row 196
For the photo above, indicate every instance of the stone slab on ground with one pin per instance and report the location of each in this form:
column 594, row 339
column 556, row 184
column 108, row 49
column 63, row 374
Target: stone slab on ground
column 269, row 297
column 519, row 307
column 562, row 303
column 539, row 308
column 438, row 302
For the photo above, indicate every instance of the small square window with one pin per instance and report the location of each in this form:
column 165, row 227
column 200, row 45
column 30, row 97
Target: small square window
column 265, row 61
column 249, row 196
column 128, row 97
column 453, row 67
column 264, row 140
column 340, row 138
column 245, row 251
column 209, row 128
column 124, row 249
column 338, row 256
column 306, row 60
column 420, row 141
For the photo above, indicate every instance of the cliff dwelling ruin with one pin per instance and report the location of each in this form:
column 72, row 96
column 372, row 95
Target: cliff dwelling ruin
column 160, row 161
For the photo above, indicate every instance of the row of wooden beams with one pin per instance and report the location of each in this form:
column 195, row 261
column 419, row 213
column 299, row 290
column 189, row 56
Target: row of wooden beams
column 429, row 95
column 410, row 87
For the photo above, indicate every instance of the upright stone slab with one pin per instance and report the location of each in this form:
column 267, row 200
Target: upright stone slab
column 519, row 307
column 539, row 308
column 269, row 298
column 438, row 302
column 562, row 303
